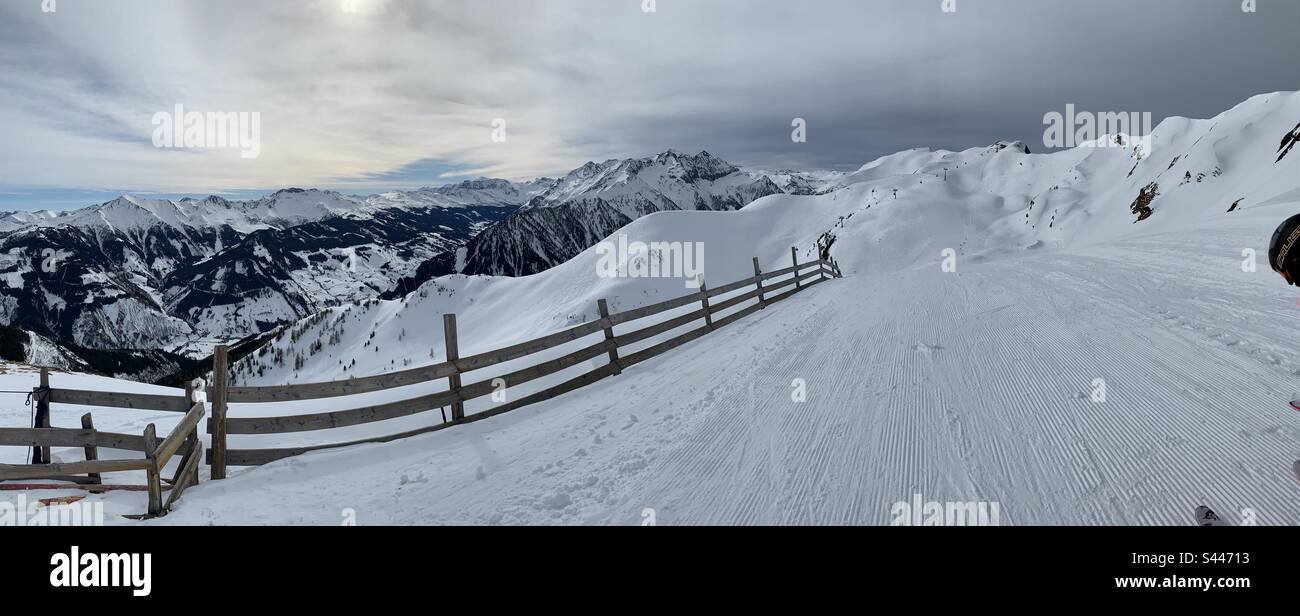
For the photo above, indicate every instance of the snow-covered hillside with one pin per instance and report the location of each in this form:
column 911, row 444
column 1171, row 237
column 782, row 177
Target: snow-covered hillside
column 898, row 212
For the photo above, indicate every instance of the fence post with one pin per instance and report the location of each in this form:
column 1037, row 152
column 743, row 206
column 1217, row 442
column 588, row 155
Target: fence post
column 155, row 481
column 603, row 307
column 220, row 375
column 453, row 354
column 92, row 450
column 758, row 273
column 41, row 455
column 191, row 441
column 794, row 255
column 708, row 312
column 192, row 388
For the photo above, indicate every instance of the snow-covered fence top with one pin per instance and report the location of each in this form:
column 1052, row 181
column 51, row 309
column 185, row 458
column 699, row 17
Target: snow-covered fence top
column 182, row 440
column 457, row 394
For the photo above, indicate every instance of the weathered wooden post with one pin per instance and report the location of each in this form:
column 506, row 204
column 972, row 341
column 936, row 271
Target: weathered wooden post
column 453, row 354
column 155, row 481
column 92, row 450
column 41, row 455
column 220, row 375
column 758, row 273
column 603, row 308
column 794, row 255
column 191, row 447
column 704, row 295
column 194, row 447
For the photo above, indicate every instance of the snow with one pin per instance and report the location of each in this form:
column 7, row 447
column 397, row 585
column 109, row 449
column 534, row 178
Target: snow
column 979, row 384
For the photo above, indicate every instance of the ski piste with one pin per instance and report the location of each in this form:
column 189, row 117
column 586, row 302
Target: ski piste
column 1295, row 468
column 1207, row 517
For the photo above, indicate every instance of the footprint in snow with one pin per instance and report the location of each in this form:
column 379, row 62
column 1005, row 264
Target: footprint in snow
column 419, row 478
column 556, row 502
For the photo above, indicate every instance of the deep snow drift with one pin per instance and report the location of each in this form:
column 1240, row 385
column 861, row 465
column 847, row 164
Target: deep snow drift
column 973, row 385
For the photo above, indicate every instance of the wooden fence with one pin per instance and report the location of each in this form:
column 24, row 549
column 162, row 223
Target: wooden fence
column 767, row 290
column 183, row 440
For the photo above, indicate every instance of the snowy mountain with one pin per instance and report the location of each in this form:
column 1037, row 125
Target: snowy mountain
column 17, row 220
column 183, row 275
column 273, row 277
column 479, row 192
column 138, row 273
column 283, row 209
column 582, row 208
column 898, row 212
column 803, row 182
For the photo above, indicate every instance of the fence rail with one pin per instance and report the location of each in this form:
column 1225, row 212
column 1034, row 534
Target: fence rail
column 712, row 313
column 183, row 441
column 799, row 276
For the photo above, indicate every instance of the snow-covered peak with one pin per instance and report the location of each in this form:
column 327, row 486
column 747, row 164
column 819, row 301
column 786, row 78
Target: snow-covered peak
column 209, row 201
column 294, row 206
column 10, row 221
column 481, row 191
column 490, row 192
column 130, row 213
column 802, row 182
column 1014, row 146
column 684, row 179
column 281, row 209
column 127, row 213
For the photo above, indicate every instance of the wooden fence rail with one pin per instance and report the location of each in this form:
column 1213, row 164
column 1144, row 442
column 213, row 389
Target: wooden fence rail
column 799, row 276
column 183, row 441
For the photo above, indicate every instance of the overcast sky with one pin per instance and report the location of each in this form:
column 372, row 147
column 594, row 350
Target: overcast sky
column 403, row 93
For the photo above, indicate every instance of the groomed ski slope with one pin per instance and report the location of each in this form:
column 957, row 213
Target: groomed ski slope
column 974, row 385
column 966, row 386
